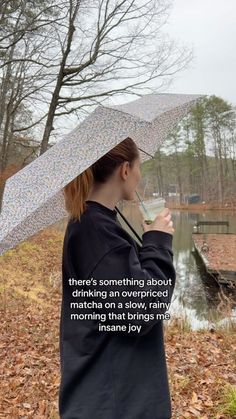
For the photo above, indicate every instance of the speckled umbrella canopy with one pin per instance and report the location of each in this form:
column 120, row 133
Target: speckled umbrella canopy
column 33, row 197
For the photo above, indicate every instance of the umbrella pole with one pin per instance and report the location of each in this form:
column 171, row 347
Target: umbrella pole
column 129, row 225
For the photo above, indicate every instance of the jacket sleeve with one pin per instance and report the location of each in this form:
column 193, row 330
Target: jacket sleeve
column 155, row 260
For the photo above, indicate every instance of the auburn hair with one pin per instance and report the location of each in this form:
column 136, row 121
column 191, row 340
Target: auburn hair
column 76, row 192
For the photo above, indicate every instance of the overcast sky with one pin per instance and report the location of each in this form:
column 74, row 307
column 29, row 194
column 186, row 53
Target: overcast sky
column 210, row 27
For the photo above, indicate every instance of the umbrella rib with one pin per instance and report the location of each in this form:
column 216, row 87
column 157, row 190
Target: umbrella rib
column 146, row 152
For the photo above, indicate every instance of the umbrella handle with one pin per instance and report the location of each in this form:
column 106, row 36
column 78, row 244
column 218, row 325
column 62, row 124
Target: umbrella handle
column 129, row 225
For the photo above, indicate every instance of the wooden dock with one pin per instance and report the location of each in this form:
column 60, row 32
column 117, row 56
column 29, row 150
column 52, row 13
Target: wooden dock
column 218, row 254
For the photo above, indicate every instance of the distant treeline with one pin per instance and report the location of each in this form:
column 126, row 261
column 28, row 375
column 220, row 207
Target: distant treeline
column 199, row 157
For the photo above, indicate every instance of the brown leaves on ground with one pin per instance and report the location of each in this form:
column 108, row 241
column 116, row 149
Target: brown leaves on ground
column 199, row 363
column 222, row 250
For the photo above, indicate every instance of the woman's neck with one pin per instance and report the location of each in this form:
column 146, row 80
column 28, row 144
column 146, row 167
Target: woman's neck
column 108, row 202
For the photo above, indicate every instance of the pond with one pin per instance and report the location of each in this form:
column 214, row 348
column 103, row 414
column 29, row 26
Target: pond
column 197, row 297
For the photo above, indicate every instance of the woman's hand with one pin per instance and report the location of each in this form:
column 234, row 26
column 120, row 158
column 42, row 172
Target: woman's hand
column 162, row 222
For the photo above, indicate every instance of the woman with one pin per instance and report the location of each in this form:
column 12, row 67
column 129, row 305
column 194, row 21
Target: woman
column 112, row 374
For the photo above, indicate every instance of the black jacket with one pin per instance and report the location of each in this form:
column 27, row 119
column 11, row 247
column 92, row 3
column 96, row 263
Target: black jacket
column 107, row 374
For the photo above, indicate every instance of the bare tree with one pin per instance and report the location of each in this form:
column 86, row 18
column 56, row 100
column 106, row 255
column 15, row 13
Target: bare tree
column 62, row 58
column 219, row 118
column 22, row 69
column 232, row 148
column 108, row 48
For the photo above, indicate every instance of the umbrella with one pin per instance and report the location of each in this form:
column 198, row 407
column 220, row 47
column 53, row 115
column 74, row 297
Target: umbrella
column 33, row 197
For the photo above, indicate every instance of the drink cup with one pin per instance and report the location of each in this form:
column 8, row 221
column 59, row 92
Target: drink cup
column 151, row 209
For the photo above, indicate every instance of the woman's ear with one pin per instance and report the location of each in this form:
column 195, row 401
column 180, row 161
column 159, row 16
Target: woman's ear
column 124, row 169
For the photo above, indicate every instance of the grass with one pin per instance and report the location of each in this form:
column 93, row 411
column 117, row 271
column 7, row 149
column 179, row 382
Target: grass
column 228, row 401
column 179, row 322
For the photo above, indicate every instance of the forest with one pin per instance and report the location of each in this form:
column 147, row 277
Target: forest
column 199, row 157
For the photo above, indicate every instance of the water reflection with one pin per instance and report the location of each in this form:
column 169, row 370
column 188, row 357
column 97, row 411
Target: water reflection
column 197, row 296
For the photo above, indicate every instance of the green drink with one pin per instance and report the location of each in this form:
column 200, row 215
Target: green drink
column 151, row 208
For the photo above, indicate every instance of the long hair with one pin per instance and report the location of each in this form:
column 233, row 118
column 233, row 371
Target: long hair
column 76, row 192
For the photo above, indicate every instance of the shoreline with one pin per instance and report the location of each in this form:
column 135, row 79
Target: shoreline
column 201, row 207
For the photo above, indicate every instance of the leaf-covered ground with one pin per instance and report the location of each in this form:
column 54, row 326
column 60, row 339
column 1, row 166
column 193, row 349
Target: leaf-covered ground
column 221, row 251
column 201, row 364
